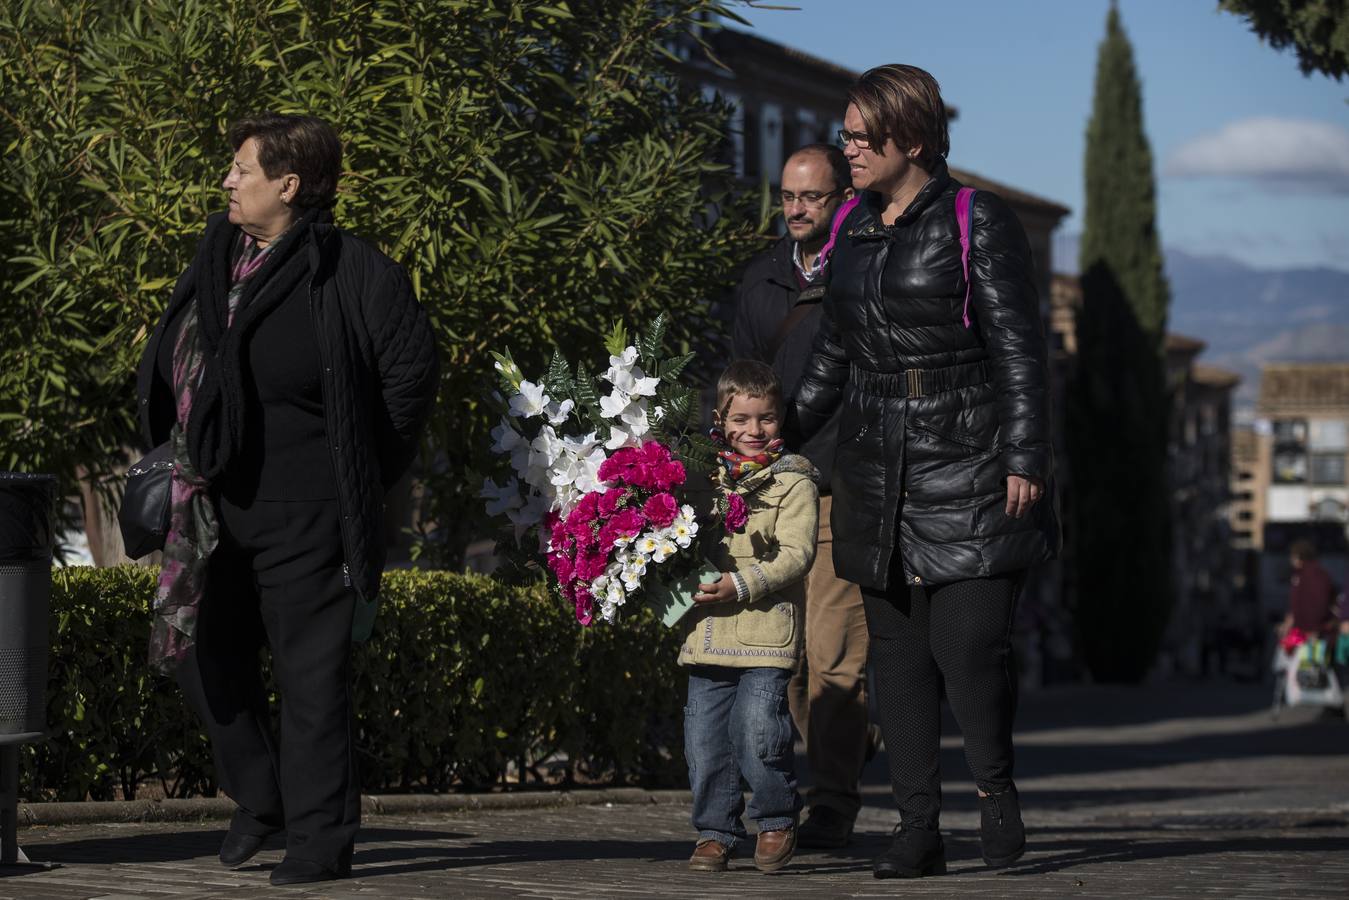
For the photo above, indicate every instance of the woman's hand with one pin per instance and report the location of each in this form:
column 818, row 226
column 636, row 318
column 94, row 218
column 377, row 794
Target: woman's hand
column 1022, row 494
column 720, row 591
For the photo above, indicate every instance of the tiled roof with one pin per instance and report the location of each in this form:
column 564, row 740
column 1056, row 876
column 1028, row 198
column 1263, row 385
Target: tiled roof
column 1290, row 386
column 1213, row 376
column 1010, row 194
column 1183, row 343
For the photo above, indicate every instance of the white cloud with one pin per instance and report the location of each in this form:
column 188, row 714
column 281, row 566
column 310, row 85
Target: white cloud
column 1300, row 152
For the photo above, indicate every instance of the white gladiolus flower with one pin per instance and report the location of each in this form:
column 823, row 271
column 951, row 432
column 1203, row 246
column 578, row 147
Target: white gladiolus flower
column 530, row 402
column 557, row 413
column 620, row 437
column 529, row 515
column 612, row 405
column 588, row 476
column 505, row 438
column 545, row 449
column 501, row 497
column 634, row 416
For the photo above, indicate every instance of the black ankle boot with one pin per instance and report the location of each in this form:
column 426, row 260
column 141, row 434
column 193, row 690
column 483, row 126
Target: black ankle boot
column 1002, row 837
column 914, row 853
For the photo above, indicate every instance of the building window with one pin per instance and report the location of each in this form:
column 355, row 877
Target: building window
column 1290, row 451
column 1245, row 515
column 1328, row 468
column 1330, row 435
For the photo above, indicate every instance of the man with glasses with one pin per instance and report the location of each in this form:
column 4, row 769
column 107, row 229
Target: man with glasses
column 778, row 311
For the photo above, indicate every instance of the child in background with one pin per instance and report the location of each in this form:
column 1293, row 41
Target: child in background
column 744, row 632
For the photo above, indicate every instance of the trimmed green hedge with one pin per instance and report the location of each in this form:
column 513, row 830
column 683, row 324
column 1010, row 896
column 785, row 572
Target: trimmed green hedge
column 463, row 679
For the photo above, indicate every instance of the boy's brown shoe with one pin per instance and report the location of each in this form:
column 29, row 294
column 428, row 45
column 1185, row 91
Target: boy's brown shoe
column 709, row 856
column 774, row 849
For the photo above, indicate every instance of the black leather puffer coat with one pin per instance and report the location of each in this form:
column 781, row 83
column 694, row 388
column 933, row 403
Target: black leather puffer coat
column 934, row 415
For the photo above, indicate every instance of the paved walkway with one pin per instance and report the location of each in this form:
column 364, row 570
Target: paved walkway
column 1144, row 793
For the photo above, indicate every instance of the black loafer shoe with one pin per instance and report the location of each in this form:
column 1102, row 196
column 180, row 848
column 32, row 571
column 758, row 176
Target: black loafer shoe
column 914, row 853
column 1002, row 837
column 825, row 829
column 306, row 871
column 238, row 849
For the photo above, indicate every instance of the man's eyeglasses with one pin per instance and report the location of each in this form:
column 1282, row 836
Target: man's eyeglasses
column 809, row 199
column 860, row 139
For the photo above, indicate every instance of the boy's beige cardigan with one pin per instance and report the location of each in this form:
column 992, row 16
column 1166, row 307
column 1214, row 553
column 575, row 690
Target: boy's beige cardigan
column 773, row 555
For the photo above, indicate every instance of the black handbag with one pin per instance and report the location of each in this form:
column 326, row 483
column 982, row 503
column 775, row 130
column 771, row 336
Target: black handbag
column 1313, row 678
column 144, row 516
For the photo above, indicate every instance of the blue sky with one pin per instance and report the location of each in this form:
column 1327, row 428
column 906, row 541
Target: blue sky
column 1252, row 157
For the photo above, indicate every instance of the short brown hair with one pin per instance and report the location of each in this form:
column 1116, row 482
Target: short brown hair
column 1302, row 550
column 747, row 378
column 305, row 145
column 904, row 104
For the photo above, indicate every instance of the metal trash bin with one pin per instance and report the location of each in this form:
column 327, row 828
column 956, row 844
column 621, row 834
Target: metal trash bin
column 26, row 506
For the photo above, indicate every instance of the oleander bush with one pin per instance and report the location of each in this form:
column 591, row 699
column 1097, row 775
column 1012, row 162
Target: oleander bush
column 464, row 682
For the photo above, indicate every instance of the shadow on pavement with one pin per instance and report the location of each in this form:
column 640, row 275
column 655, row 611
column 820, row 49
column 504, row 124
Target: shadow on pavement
column 1063, row 799
column 1310, row 739
column 1086, row 852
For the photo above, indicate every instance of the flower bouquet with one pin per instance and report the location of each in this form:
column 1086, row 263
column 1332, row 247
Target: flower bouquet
column 599, row 489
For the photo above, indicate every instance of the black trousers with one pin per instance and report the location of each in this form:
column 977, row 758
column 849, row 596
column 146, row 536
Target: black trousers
column 276, row 579
column 955, row 635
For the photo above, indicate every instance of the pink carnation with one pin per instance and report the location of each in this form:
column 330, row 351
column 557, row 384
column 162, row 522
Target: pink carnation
column 737, row 513
column 642, row 475
column 586, row 508
column 561, row 566
column 584, row 605
column 590, row 566
column 668, row 475
column 655, row 453
column 616, row 467
column 627, row 523
column 661, row 510
column 609, row 501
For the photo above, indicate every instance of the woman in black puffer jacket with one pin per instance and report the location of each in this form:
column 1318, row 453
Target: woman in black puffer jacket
column 944, row 458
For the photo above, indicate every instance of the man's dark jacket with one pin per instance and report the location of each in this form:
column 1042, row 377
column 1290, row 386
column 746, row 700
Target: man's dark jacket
column 927, row 474
column 380, row 373
column 768, row 291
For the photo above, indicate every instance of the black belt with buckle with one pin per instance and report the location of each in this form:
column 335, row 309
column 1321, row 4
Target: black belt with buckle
column 919, row 382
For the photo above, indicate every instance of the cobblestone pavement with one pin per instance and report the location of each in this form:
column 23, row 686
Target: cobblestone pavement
column 1146, row 793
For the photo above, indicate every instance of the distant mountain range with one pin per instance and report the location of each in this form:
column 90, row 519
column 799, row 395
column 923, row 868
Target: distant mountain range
column 1249, row 316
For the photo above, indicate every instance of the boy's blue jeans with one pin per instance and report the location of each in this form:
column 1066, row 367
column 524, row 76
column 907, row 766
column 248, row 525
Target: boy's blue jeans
column 737, row 723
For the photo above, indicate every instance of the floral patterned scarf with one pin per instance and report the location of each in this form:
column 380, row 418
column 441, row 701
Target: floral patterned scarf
column 193, row 528
column 738, row 465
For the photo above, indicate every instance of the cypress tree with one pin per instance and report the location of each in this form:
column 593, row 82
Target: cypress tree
column 1118, row 402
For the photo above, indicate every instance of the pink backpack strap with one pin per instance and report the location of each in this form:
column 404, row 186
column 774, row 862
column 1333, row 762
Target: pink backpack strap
column 839, row 216
column 964, row 200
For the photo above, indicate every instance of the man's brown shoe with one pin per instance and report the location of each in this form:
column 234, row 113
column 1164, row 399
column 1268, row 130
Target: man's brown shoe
column 709, row 856
column 774, row 849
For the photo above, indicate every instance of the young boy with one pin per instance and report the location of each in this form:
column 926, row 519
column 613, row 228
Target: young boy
column 744, row 632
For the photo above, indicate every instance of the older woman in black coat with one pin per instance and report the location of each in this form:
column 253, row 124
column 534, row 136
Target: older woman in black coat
column 943, row 458
column 291, row 374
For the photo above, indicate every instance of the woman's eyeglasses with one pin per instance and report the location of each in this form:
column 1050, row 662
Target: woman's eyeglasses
column 860, row 139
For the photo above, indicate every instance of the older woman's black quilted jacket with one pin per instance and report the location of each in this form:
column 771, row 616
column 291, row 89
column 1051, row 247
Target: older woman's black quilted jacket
column 379, row 381
column 922, row 460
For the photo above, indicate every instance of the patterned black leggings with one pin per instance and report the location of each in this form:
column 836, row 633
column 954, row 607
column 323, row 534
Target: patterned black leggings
column 959, row 635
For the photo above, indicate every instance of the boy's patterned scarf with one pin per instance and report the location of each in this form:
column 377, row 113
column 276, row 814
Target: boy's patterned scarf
column 738, row 465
